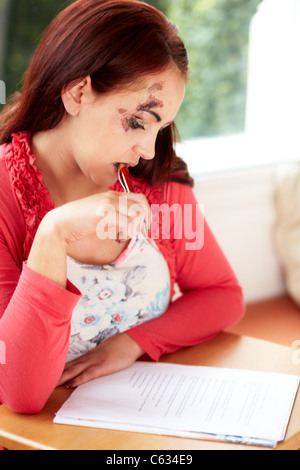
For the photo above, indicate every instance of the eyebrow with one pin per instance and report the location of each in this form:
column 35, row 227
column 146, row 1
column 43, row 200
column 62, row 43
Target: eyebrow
column 147, row 110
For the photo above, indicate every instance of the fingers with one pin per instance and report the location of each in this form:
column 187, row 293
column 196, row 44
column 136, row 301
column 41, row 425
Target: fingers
column 124, row 217
column 86, row 369
column 106, row 214
column 70, row 373
column 85, row 376
column 114, row 354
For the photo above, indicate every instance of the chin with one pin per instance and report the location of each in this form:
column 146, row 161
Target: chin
column 105, row 181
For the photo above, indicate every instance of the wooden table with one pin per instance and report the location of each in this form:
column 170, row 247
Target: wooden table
column 37, row 432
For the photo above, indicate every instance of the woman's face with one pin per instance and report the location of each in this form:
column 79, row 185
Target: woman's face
column 122, row 127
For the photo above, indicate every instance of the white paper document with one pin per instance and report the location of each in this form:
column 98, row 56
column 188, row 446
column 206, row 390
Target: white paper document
column 189, row 401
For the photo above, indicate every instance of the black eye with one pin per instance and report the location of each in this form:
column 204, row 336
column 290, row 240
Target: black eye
column 134, row 123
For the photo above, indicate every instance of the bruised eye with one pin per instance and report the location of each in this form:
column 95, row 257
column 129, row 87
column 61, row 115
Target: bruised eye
column 134, row 123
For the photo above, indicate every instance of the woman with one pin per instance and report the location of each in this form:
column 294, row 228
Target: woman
column 103, row 89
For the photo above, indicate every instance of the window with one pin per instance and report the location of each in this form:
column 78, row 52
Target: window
column 212, row 119
column 216, row 33
column 247, row 74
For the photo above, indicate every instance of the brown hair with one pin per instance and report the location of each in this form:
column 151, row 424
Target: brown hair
column 115, row 42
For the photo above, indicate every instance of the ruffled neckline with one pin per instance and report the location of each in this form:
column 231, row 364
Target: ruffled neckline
column 27, row 181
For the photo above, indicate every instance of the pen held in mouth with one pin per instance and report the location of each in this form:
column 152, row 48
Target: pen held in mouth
column 124, row 178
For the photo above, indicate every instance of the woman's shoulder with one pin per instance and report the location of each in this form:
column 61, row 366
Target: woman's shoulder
column 12, row 224
column 5, row 180
column 179, row 190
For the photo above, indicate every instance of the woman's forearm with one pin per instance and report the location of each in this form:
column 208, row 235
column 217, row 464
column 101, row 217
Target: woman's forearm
column 191, row 319
column 35, row 328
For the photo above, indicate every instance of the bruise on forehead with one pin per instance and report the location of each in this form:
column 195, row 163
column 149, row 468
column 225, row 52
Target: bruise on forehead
column 152, row 101
column 156, row 87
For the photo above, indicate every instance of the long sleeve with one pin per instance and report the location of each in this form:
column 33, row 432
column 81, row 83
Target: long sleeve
column 34, row 329
column 212, row 299
column 35, row 313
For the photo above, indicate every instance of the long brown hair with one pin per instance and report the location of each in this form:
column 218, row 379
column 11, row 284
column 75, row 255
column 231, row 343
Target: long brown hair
column 115, row 42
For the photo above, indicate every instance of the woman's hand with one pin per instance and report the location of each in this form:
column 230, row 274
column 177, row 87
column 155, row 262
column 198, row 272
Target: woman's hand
column 110, row 214
column 105, row 215
column 114, row 354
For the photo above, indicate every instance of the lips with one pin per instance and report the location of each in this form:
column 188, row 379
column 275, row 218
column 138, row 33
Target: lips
column 129, row 165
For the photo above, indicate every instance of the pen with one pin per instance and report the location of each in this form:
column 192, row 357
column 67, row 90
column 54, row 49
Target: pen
column 124, row 178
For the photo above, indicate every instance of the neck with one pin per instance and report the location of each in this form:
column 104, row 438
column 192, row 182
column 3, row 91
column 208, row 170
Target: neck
column 62, row 176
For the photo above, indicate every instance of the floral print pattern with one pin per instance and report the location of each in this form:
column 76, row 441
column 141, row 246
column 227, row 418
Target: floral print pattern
column 119, row 296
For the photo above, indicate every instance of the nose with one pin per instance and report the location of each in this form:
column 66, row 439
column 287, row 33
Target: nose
column 147, row 157
column 146, row 149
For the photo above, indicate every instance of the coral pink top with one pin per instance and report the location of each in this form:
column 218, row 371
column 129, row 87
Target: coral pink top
column 35, row 314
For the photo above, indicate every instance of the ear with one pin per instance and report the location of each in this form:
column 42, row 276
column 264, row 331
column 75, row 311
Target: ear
column 74, row 94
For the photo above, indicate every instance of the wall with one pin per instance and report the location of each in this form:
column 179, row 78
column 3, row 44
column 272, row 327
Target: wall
column 240, row 210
